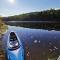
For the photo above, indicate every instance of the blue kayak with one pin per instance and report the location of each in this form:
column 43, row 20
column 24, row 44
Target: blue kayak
column 15, row 49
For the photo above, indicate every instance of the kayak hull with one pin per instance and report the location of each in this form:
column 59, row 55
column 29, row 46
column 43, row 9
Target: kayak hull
column 17, row 54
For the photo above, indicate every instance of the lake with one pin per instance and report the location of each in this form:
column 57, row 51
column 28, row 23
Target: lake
column 36, row 24
column 40, row 43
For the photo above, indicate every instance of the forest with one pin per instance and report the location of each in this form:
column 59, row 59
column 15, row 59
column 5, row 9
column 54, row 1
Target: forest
column 46, row 15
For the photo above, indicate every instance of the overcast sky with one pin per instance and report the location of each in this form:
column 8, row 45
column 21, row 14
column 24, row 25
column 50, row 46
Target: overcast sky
column 15, row 7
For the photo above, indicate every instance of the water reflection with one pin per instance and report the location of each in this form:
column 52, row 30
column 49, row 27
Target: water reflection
column 39, row 44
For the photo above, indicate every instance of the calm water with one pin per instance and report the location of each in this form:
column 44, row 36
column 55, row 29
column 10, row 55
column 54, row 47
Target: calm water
column 38, row 42
column 32, row 22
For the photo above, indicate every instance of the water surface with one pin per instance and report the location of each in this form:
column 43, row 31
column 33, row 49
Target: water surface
column 40, row 43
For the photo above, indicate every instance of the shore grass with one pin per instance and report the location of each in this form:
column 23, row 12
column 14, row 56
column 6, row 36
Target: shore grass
column 3, row 28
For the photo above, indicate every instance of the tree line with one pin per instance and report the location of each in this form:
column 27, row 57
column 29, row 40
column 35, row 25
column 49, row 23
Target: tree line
column 46, row 15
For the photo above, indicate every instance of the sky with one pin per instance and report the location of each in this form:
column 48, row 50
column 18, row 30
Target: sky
column 16, row 7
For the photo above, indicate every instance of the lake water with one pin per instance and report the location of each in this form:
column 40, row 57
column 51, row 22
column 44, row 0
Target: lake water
column 32, row 22
column 40, row 43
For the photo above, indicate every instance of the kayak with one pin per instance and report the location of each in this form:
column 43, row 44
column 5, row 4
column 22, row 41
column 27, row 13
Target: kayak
column 15, row 49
